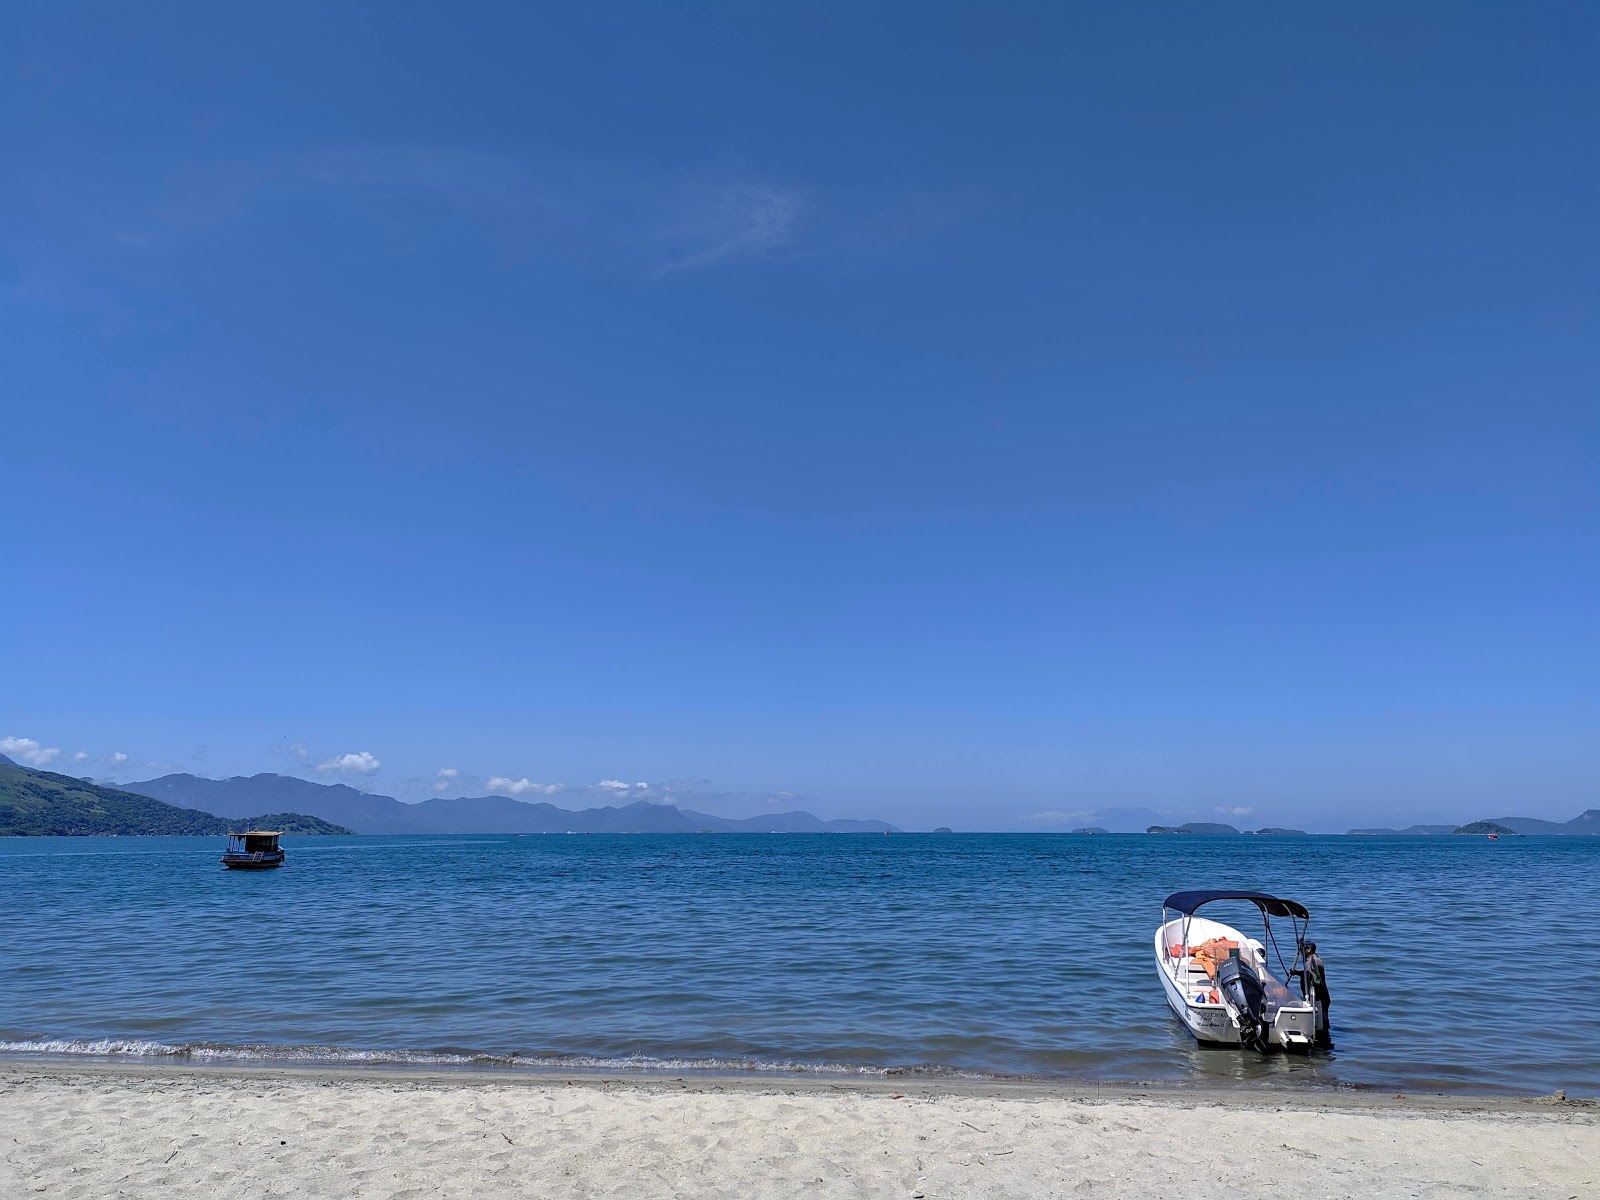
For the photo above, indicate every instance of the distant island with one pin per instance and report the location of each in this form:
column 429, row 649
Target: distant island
column 1091, row 829
column 1276, row 831
column 943, row 829
column 1586, row 824
column 1205, row 827
column 1482, row 827
column 1408, row 831
column 44, row 804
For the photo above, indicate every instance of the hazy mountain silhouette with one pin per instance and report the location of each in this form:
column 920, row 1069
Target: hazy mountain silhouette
column 1587, row 823
column 367, row 813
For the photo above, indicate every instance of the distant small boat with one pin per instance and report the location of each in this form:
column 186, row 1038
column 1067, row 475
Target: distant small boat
column 255, row 849
column 1494, row 837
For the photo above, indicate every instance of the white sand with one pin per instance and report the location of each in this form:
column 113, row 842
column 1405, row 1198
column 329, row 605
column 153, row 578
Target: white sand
column 76, row 1131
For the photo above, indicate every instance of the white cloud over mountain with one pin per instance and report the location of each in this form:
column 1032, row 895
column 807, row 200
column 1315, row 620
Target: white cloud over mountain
column 619, row 788
column 28, row 750
column 504, row 786
column 359, row 763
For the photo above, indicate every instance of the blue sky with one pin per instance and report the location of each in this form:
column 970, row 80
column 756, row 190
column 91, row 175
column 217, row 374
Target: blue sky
column 991, row 416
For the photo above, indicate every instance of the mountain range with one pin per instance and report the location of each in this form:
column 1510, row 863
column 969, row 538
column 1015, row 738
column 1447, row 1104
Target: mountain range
column 44, row 804
column 1587, row 823
column 365, row 812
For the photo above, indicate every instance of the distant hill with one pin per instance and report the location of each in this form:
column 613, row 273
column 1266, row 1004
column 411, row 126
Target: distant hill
column 1091, row 829
column 1585, row 824
column 44, row 804
column 280, row 793
column 1408, row 831
column 1482, row 827
column 1125, row 820
column 296, row 823
column 1277, row 831
column 1207, row 827
column 366, row 813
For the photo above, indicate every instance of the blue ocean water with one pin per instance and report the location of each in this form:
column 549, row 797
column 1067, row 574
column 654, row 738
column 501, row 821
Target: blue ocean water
column 1456, row 963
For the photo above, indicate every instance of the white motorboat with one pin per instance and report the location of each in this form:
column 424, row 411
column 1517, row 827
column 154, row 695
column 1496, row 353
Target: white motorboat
column 1218, row 982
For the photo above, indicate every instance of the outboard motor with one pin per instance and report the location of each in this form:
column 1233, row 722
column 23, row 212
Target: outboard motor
column 1242, row 991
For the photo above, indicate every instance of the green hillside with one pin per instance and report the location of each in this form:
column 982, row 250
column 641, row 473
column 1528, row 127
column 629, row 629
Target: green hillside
column 44, row 804
column 1482, row 827
column 291, row 823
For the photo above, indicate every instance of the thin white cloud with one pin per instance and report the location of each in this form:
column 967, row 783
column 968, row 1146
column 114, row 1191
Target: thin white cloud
column 504, row 786
column 81, row 756
column 1238, row 810
column 117, row 758
column 28, row 750
column 298, row 749
column 618, row 788
column 359, row 763
column 729, row 221
column 443, row 777
column 448, row 772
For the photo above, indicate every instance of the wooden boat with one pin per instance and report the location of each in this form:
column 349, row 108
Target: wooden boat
column 255, row 849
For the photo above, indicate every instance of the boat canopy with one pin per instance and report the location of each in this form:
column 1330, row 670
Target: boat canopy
column 1187, row 902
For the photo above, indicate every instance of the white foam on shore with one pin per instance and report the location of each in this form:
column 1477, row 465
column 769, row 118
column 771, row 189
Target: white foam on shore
column 331, row 1055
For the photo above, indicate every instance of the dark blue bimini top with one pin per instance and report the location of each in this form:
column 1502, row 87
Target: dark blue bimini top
column 1187, row 902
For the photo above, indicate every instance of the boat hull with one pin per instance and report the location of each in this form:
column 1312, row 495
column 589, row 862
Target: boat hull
column 1293, row 1028
column 251, row 862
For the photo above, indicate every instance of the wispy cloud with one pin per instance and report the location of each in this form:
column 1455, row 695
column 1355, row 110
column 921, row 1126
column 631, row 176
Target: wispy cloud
column 81, row 756
column 442, row 779
column 618, row 788
column 116, row 758
column 106, row 217
column 28, row 750
column 359, row 763
column 717, row 223
column 1238, row 810
column 502, row 785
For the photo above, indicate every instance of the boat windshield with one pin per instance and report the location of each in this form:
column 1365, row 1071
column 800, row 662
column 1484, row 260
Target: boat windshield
column 253, row 843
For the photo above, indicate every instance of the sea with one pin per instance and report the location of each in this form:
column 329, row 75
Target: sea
column 1457, row 964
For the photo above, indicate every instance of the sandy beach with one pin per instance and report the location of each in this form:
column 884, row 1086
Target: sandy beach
column 134, row 1130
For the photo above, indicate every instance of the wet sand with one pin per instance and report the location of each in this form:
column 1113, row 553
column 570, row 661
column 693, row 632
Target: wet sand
column 125, row 1129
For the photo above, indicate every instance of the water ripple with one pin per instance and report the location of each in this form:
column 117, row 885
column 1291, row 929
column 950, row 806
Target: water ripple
column 979, row 955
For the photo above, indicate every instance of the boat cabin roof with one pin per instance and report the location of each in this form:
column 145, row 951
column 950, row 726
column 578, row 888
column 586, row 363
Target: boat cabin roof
column 272, row 833
column 1187, row 902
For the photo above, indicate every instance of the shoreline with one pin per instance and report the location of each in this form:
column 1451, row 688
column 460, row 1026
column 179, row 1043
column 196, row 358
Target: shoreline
column 187, row 1132
column 1254, row 1094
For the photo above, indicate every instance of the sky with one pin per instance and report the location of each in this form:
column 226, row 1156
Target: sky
column 989, row 416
